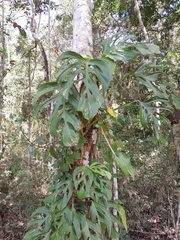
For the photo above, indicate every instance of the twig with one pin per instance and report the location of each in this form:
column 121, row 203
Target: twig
column 109, row 145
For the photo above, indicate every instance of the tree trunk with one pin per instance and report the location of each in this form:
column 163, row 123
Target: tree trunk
column 2, row 79
column 82, row 27
column 83, row 44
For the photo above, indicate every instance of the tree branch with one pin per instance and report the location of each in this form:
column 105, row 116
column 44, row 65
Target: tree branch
column 143, row 28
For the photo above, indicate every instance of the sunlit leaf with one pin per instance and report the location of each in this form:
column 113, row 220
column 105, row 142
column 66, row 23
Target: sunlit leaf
column 101, row 169
column 123, row 216
column 111, row 112
column 146, row 48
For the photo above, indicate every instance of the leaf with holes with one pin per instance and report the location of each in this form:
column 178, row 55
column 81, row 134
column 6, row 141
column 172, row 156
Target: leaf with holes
column 83, row 179
column 101, row 169
column 61, row 195
column 45, row 220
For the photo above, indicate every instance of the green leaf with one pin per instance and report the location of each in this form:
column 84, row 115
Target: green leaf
column 53, row 153
column 38, row 223
column 106, row 46
column 82, row 140
column 94, row 214
column 32, row 234
column 55, row 236
column 73, row 236
column 115, row 49
column 147, row 49
column 101, row 169
column 69, row 135
column 95, row 228
column 123, row 55
column 69, row 55
column 64, row 189
column 176, row 101
column 71, row 119
column 83, row 179
column 54, row 125
column 104, row 215
column 58, row 103
column 76, row 224
column 64, row 167
column 46, row 237
column 89, row 105
column 124, row 164
column 102, row 68
column 117, row 145
column 70, row 159
column 76, row 155
column 102, row 189
column 67, row 86
column 123, row 216
column 43, row 89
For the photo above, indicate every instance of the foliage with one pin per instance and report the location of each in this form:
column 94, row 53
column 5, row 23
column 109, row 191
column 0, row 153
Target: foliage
column 136, row 113
column 74, row 208
column 84, row 214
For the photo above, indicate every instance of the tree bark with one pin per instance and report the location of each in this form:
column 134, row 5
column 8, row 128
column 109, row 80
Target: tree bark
column 83, row 44
column 82, row 27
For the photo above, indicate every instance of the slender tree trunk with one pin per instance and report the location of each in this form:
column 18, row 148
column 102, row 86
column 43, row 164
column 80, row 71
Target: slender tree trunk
column 2, row 78
column 143, row 28
column 29, row 100
column 34, row 31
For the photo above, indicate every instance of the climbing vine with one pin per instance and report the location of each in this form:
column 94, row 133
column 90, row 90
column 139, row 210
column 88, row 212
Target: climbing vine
column 80, row 204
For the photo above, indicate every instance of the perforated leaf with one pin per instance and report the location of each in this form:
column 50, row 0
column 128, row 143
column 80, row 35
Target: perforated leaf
column 61, row 195
column 83, row 179
column 45, row 220
column 101, row 169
